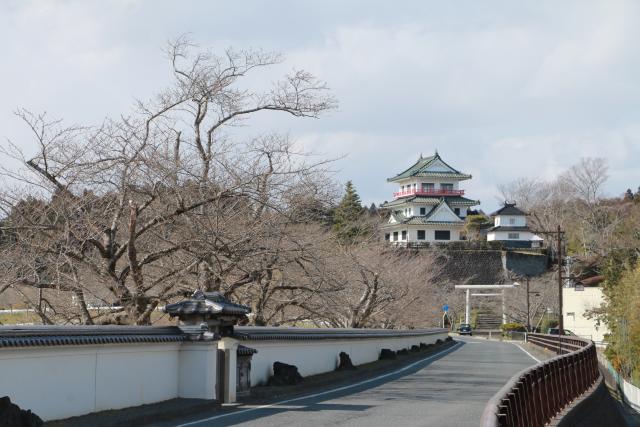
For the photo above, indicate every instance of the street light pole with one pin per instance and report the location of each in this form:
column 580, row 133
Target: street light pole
column 528, row 310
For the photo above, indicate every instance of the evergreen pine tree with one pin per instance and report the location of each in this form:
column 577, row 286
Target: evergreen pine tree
column 347, row 213
column 373, row 210
column 628, row 195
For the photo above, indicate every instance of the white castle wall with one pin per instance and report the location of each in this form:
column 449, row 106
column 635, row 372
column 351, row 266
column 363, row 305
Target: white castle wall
column 64, row 381
column 318, row 356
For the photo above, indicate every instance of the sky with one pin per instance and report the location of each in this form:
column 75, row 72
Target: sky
column 501, row 89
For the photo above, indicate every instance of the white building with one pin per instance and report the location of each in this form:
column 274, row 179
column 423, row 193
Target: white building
column 510, row 227
column 429, row 205
column 578, row 301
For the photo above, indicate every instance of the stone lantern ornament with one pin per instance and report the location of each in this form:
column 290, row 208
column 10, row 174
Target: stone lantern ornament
column 207, row 315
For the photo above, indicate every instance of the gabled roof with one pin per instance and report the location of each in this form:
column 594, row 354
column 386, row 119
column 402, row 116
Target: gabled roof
column 424, row 200
column 396, row 218
column 425, row 167
column 447, row 216
column 443, row 208
column 508, row 209
column 420, row 220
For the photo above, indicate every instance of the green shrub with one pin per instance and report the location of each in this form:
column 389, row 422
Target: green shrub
column 513, row 327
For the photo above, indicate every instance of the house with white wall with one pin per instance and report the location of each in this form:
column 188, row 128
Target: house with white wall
column 429, row 205
column 510, row 227
column 579, row 301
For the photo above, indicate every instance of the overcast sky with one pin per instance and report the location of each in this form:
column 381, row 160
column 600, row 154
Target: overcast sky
column 501, row 89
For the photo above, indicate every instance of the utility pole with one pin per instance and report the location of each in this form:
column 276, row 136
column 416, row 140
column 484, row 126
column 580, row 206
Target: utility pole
column 560, row 316
column 558, row 234
column 528, row 311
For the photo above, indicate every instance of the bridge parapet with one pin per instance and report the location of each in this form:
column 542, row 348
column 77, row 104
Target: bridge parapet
column 537, row 394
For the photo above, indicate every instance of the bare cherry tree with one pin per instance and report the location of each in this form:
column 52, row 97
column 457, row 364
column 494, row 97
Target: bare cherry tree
column 373, row 285
column 120, row 214
column 574, row 200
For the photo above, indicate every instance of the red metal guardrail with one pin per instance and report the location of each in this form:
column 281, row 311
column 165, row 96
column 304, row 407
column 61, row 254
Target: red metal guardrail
column 428, row 192
column 534, row 396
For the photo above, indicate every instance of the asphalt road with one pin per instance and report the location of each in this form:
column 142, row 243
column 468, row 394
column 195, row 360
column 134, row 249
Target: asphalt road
column 450, row 389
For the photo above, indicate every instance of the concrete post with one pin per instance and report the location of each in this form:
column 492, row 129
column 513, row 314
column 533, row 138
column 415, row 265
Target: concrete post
column 467, row 309
column 230, row 347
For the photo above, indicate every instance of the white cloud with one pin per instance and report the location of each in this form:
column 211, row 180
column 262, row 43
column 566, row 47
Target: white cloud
column 596, row 53
column 501, row 89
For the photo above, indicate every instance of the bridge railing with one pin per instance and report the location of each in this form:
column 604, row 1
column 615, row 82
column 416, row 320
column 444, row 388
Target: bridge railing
column 534, row 396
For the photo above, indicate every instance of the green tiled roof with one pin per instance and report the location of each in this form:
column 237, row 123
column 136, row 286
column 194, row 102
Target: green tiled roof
column 420, row 169
column 451, row 200
column 420, row 220
column 424, row 220
column 458, row 175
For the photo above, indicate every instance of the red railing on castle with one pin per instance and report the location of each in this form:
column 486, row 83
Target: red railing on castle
column 428, row 192
column 537, row 394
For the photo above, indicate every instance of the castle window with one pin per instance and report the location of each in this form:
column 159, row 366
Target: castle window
column 514, row 235
column 423, row 211
column 404, row 234
column 446, row 186
column 421, row 235
column 443, row 235
column 386, row 236
column 395, row 236
column 512, row 221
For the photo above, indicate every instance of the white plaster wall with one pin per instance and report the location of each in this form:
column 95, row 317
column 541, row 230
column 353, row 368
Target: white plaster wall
column 504, row 235
column 418, row 182
column 197, row 375
column 503, row 220
column 134, row 377
column 430, row 233
column 578, row 302
column 61, row 382
column 52, row 383
column 315, row 357
column 443, row 213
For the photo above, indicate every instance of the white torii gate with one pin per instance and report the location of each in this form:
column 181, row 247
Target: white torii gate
column 467, row 310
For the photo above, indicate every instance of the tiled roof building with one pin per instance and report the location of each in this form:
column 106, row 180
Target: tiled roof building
column 429, row 205
column 510, row 228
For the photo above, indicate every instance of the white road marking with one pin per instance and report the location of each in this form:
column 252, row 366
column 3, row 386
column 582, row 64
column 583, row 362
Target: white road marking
column 244, row 411
column 529, row 354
